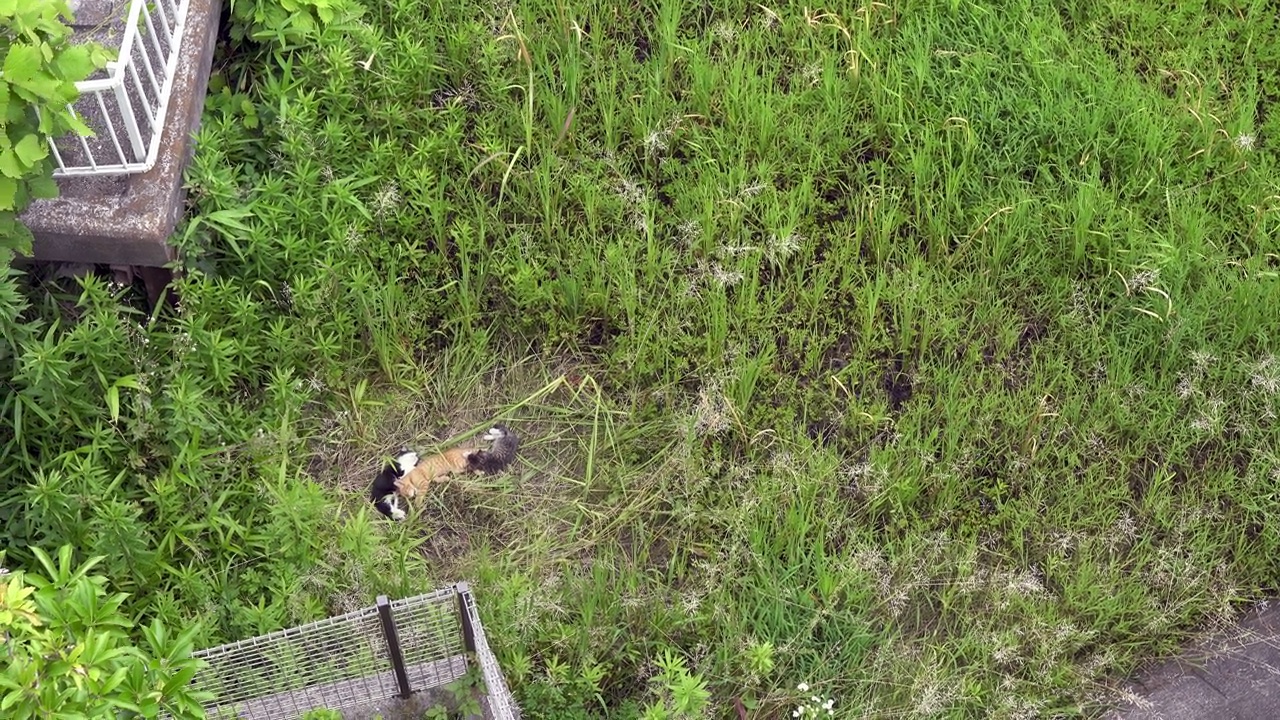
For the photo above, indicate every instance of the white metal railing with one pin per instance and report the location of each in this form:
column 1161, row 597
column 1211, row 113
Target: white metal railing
column 127, row 109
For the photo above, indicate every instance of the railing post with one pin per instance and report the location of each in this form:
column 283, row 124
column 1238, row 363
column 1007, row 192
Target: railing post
column 130, row 121
column 393, row 645
column 468, row 631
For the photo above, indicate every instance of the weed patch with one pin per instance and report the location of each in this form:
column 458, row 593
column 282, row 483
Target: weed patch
column 917, row 359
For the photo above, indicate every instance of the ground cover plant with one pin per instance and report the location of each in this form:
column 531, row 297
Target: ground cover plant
column 909, row 359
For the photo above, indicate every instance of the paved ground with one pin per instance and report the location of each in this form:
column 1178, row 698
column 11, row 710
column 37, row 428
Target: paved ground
column 1232, row 676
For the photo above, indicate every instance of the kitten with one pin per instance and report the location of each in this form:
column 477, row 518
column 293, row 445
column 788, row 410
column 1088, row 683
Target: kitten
column 453, row 461
column 501, row 452
column 383, row 491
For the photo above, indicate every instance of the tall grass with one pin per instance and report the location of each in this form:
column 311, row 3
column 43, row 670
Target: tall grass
column 921, row 354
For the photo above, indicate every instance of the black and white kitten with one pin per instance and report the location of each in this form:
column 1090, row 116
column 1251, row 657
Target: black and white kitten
column 383, row 491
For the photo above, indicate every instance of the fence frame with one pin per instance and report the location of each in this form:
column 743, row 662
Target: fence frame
column 152, row 85
column 379, row 627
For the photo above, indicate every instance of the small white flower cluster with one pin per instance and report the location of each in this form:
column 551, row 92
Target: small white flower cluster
column 815, row 706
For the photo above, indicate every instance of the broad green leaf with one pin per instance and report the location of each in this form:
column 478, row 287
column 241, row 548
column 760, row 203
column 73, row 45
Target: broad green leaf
column 30, row 150
column 42, row 186
column 75, row 63
column 21, row 64
column 8, row 193
column 180, row 679
column 10, row 166
column 77, row 125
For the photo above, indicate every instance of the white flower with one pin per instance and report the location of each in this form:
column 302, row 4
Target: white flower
column 1245, row 141
column 803, row 687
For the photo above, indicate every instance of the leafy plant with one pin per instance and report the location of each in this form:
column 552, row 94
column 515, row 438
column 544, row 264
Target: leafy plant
column 41, row 68
column 67, row 653
column 854, row 325
column 284, row 24
column 466, row 691
column 682, row 695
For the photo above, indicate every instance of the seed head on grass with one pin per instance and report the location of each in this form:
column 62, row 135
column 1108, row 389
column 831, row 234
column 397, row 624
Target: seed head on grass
column 1005, row 654
column 688, row 233
column 864, row 478
column 724, row 31
column 1266, row 376
column 769, row 20
column 658, row 141
column 1202, row 359
column 812, row 74
column 386, row 199
column 711, row 272
column 1186, row 387
column 1025, row 584
column 933, row 696
column 1210, row 419
column 711, row 414
column 635, row 199
column 1142, row 280
column 353, row 238
column 782, row 246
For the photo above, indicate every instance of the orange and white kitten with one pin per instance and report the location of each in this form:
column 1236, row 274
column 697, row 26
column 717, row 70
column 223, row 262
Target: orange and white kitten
column 453, row 461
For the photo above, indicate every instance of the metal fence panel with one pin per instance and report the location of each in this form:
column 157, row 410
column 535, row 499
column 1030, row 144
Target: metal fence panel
column 126, row 104
column 498, row 701
column 345, row 661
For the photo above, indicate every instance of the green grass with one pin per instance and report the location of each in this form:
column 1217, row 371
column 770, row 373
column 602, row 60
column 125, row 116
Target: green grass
column 923, row 353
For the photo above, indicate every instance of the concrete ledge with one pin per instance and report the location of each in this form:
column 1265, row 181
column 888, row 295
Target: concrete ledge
column 128, row 219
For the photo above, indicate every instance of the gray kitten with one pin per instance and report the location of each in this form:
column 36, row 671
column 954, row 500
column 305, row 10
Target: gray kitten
column 501, row 453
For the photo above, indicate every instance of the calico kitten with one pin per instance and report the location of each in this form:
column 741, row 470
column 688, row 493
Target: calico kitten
column 501, row 452
column 383, row 491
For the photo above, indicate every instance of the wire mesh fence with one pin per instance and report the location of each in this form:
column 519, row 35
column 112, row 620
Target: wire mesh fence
column 391, row 650
column 497, row 702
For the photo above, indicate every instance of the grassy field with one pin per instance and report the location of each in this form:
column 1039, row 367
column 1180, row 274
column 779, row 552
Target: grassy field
column 919, row 356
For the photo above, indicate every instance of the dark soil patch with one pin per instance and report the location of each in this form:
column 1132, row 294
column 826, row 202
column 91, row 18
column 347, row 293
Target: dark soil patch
column 641, row 44
column 896, row 382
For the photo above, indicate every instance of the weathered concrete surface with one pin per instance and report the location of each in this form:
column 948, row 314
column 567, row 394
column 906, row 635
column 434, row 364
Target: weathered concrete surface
column 1234, row 675
column 127, row 220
